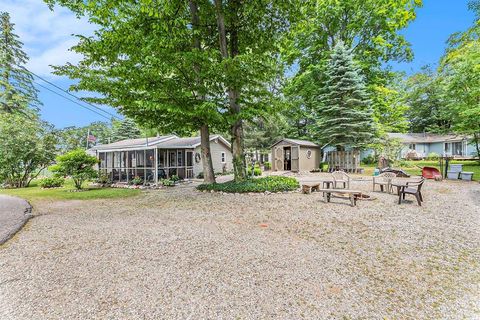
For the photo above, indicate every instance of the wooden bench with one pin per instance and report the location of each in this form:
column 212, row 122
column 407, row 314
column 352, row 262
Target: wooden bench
column 353, row 195
column 310, row 187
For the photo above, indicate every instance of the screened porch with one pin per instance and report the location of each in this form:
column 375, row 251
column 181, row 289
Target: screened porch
column 150, row 165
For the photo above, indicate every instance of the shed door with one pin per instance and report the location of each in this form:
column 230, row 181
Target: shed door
column 295, row 158
column 278, row 158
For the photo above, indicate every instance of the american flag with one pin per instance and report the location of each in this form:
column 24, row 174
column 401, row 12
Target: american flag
column 91, row 138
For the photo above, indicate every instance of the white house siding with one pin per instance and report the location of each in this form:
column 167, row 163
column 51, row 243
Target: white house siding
column 216, row 149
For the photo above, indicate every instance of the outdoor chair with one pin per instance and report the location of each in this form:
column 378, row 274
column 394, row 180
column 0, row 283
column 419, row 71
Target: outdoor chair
column 340, row 177
column 413, row 188
column 384, row 180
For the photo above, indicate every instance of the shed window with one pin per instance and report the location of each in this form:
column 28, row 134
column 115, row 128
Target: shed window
column 412, row 146
column 224, row 157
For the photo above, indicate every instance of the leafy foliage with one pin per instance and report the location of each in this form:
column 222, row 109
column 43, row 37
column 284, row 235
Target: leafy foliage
column 271, row 184
column 52, row 182
column 125, row 129
column 17, row 91
column 343, row 116
column 27, row 145
column 76, row 164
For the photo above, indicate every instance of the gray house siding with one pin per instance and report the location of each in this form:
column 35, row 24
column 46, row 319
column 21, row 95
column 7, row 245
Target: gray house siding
column 216, row 149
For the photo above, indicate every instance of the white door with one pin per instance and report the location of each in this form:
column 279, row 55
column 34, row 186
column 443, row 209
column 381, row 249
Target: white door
column 295, row 158
column 278, row 158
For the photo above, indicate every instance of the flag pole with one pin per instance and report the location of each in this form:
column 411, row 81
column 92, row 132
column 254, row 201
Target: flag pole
column 88, row 135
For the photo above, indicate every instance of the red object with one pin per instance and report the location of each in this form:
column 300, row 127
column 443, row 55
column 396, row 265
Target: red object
column 430, row 173
column 91, row 138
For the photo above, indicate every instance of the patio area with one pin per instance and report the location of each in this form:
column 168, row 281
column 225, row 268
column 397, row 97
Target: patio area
column 177, row 253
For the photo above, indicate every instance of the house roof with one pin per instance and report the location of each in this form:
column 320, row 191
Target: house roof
column 426, row 137
column 303, row 143
column 163, row 142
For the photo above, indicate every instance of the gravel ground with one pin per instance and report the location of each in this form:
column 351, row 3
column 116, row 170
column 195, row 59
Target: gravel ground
column 180, row 254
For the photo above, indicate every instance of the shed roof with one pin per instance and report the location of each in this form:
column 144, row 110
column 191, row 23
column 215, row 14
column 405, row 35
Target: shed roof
column 426, row 137
column 304, row 143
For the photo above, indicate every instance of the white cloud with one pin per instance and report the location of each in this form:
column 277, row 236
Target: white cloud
column 46, row 34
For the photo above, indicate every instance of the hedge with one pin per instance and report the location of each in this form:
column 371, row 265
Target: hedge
column 271, row 184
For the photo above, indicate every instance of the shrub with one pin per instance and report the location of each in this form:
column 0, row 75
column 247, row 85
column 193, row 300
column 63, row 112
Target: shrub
column 370, row 159
column 168, row 182
column 433, row 156
column 175, row 178
column 256, row 171
column 136, row 181
column 104, row 178
column 324, row 166
column 77, row 164
column 52, row 182
column 267, row 165
column 271, row 184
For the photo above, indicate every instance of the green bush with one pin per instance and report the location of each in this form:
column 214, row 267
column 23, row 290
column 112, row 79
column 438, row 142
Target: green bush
column 370, row 159
column 267, row 165
column 168, row 182
column 324, row 166
column 52, row 182
column 256, row 171
column 77, row 164
column 175, row 178
column 104, row 178
column 136, row 181
column 271, row 184
column 433, row 156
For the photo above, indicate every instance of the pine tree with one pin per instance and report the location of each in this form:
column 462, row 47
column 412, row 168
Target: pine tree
column 125, row 129
column 344, row 112
column 17, row 91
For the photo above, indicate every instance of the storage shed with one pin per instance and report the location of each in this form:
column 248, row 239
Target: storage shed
column 295, row 155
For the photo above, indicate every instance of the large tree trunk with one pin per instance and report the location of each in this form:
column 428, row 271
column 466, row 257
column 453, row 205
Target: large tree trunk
column 208, row 173
column 239, row 166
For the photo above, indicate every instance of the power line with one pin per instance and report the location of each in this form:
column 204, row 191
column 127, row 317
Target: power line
column 70, row 94
column 81, row 105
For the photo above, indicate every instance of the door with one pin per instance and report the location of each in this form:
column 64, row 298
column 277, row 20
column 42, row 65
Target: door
column 295, row 161
column 278, row 158
column 287, row 159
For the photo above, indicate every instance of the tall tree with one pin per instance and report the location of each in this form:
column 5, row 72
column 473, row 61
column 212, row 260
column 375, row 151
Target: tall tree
column 161, row 73
column 460, row 71
column 27, row 145
column 344, row 112
column 371, row 28
column 125, row 129
column 425, row 96
column 17, row 91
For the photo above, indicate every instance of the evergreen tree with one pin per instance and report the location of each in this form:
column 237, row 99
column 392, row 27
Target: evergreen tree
column 17, row 92
column 125, row 129
column 344, row 112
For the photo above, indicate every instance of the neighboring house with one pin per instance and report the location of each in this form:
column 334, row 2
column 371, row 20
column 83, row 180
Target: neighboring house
column 295, row 155
column 152, row 159
column 422, row 144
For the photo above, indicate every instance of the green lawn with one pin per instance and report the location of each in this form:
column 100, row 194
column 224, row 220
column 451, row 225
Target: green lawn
column 411, row 167
column 35, row 193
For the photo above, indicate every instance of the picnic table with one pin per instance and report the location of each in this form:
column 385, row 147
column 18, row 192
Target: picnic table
column 353, row 195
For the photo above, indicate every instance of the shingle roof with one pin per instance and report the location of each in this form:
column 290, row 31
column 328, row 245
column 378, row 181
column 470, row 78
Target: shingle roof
column 164, row 142
column 425, row 137
column 298, row 142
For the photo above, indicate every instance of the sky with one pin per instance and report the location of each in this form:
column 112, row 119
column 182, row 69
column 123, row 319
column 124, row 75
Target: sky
column 47, row 36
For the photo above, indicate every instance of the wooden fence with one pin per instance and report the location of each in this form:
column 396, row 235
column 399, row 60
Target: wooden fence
column 348, row 161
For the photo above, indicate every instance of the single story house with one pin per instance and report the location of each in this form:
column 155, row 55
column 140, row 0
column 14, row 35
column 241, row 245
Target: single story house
column 155, row 158
column 419, row 145
column 295, row 155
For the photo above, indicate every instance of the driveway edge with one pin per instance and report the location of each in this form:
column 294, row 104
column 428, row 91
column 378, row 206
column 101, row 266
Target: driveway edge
column 17, row 227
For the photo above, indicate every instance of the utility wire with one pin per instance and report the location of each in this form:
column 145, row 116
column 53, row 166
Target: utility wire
column 72, row 95
column 81, row 105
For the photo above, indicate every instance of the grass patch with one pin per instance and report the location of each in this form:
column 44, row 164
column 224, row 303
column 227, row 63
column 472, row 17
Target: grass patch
column 271, row 184
column 34, row 192
column 411, row 168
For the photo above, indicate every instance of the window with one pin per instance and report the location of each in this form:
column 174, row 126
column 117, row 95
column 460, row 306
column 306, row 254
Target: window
column 412, row 146
column 309, row 154
column 179, row 158
column 447, row 147
column 457, row 148
column 224, row 157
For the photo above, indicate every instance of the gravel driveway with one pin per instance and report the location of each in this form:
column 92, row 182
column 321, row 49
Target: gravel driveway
column 180, row 254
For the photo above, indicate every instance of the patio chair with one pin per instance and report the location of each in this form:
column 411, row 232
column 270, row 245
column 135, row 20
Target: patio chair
column 340, row 177
column 384, row 180
column 413, row 188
